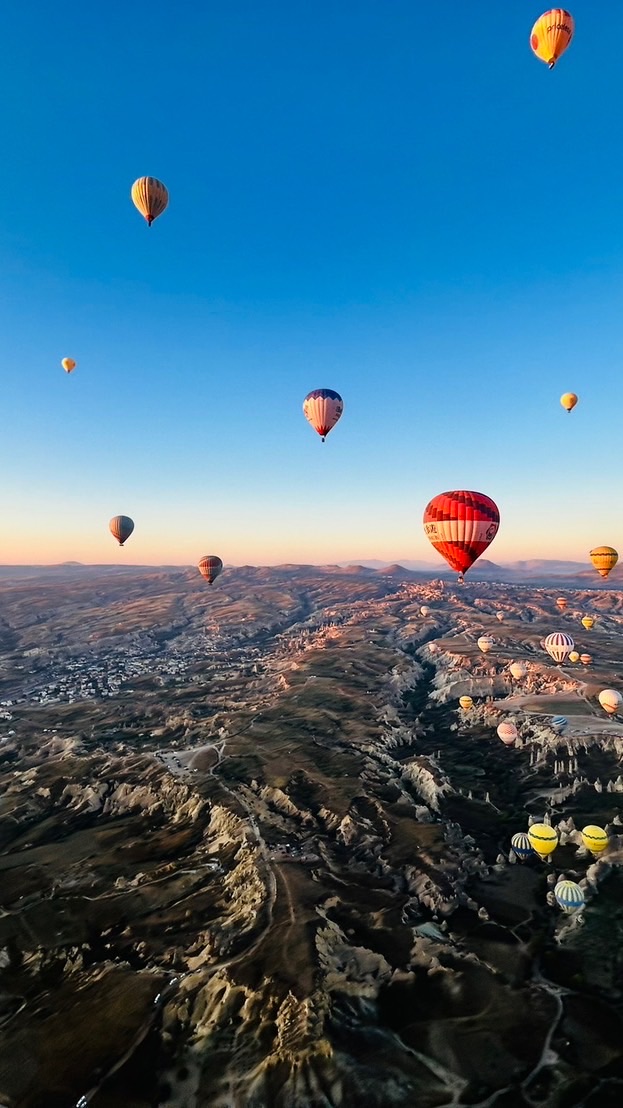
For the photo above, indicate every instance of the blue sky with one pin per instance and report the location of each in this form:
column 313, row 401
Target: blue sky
column 392, row 199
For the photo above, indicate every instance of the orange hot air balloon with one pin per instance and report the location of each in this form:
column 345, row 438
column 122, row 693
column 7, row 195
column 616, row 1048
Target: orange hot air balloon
column 604, row 558
column 209, row 567
column 551, row 35
column 68, row 365
column 150, row 196
column 461, row 525
column 121, row 527
column 568, row 401
column 562, row 603
column 586, row 659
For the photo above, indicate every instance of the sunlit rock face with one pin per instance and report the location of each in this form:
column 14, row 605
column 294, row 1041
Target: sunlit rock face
column 252, row 852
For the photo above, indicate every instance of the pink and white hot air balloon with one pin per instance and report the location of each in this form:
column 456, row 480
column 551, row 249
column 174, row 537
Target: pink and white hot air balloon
column 559, row 646
column 507, row 732
column 322, row 408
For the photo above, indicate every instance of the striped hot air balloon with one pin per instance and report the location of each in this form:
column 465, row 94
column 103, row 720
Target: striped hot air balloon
column 520, row 845
column 466, row 703
column 543, row 840
column 569, row 896
column 507, row 732
column 595, row 839
column 209, row 567
column 461, row 525
column 322, row 408
column 558, row 645
column 560, row 723
column 551, row 35
column 588, row 623
column 121, row 527
column 150, row 196
column 604, row 558
column 586, row 659
column 562, row 603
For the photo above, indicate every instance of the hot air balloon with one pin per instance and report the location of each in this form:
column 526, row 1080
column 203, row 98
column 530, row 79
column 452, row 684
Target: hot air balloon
column 209, row 567
column 424, row 611
column 466, row 703
column 520, row 844
column 574, row 656
column 568, row 401
column 322, row 408
column 558, row 646
column 543, row 840
column 594, row 839
column 486, row 643
column 121, row 527
column 150, row 196
column 518, row 670
column 569, row 896
column 507, row 732
column 68, row 365
column 560, row 723
column 551, row 35
column 610, row 701
column 500, row 616
column 604, row 558
column 587, row 622
column 586, row 659
column 461, row 525
column 562, row 603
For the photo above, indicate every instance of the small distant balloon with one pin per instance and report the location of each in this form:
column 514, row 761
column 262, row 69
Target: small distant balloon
column 486, row 643
column 543, row 840
column 551, row 35
column 68, row 365
column 520, row 845
column 210, row 566
column 588, row 622
column 569, row 896
column 610, row 701
column 150, row 196
column 574, row 656
column 508, row 733
column 500, row 616
column 518, row 670
column 560, row 723
column 586, row 659
column 604, row 559
column 121, row 527
column 322, row 408
column 568, row 401
column 424, row 611
column 562, row 603
column 595, row 839
column 558, row 645
column 466, row 703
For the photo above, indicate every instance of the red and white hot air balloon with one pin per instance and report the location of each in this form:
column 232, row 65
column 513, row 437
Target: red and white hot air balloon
column 209, row 567
column 461, row 525
column 558, row 645
column 507, row 732
column 322, row 408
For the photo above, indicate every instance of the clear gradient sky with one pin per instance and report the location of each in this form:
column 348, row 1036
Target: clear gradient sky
column 391, row 198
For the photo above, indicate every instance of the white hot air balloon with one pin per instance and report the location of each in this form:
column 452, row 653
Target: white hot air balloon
column 517, row 670
column 500, row 616
column 610, row 701
column 424, row 611
column 486, row 643
column 559, row 645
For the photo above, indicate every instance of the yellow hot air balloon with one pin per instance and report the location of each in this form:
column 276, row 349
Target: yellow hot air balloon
column 568, row 401
column 594, row 839
column 574, row 656
column 150, row 196
column 604, row 558
column 551, row 35
column 543, row 840
column 68, row 365
column 587, row 622
column 466, row 703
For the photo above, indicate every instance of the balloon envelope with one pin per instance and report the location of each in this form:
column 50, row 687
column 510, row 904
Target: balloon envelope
column 150, row 196
column 569, row 896
column 68, row 365
column 461, row 525
column 543, row 839
column 594, row 838
column 507, row 732
column 586, row 659
column 562, row 603
column 121, row 527
column 560, row 723
column 486, row 643
column 558, row 646
column 520, row 844
column 518, row 670
column 322, row 408
column 424, row 611
column 209, row 567
column 573, row 656
column 466, row 703
column 568, row 401
column 604, row 558
column 588, row 622
column 610, row 701
column 500, row 616
column 551, row 35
